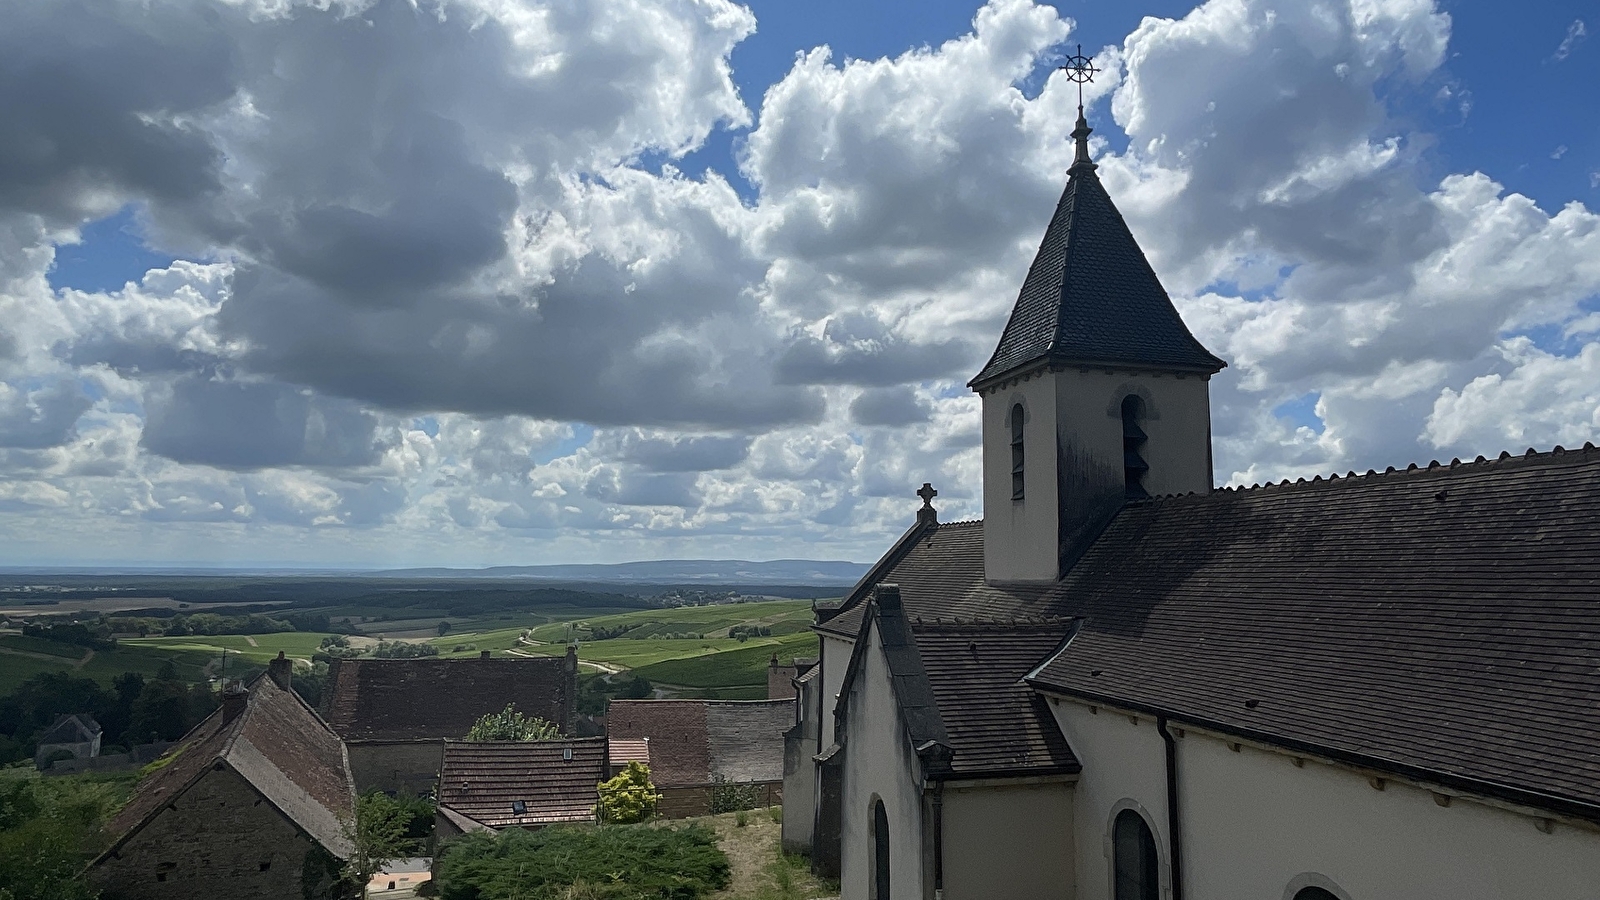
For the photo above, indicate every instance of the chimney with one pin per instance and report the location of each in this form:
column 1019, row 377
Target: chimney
column 234, row 699
column 483, row 654
column 280, row 670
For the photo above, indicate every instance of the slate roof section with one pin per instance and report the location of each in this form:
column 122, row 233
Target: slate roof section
column 997, row 724
column 1090, row 296
column 279, row 745
column 77, row 728
column 913, row 693
column 482, row 780
column 1442, row 623
column 695, row 742
column 433, row 699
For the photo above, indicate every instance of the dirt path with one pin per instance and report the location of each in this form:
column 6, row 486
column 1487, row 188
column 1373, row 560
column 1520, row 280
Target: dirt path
column 758, row 870
column 251, row 641
column 607, row 668
column 85, row 661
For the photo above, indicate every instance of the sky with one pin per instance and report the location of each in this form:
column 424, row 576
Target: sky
column 366, row 283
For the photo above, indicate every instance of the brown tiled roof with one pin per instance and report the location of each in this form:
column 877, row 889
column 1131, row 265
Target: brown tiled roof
column 1441, row 623
column 279, row 745
column 694, row 742
column 429, row 699
column 482, row 780
column 1091, row 297
column 627, row 750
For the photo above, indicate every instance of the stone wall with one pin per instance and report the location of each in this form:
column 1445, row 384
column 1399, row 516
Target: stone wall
column 219, row 838
column 396, row 765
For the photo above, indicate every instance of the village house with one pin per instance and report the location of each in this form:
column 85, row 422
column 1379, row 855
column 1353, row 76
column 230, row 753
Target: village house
column 249, row 807
column 781, row 676
column 75, row 736
column 696, row 747
column 395, row 714
column 1126, row 683
column 490, row 785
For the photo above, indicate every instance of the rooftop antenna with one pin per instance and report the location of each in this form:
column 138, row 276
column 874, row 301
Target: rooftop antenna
column 1080, row 71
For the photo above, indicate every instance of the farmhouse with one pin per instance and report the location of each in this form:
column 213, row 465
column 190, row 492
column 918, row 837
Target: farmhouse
column 395, row 714
column 490, row 785
column 75, row 736
column 697, row 747
column 1126, row 683
column 249, row 806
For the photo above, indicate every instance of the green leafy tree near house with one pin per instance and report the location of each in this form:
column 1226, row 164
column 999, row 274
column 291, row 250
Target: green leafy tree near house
column 629, row 797
column 377, row 837
column 510, row 725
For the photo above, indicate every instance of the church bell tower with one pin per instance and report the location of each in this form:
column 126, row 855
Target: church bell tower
column 1096, row 394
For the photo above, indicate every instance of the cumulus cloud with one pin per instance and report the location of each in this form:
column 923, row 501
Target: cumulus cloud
column 442, row 290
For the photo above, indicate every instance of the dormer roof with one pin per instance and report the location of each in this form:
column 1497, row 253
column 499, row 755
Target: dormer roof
column 1090, row 297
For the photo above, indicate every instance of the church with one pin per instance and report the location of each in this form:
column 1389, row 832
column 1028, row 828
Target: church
column 1125, row 683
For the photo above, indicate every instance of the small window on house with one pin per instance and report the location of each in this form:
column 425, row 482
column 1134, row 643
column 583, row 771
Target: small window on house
column 1133, row 849
column 266, row 864
column 1314, row 893
column 1016, row 451
column 880, row 850
column 519, row 807
column 1133, row 440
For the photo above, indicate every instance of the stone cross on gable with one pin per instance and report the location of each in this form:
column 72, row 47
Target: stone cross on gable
column 927, row 513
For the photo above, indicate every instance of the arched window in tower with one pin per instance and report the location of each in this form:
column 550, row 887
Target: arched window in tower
column 1314, row 893
column 1016, row 451
column 1134, row 864
column 880, row 852
column 1133, row 440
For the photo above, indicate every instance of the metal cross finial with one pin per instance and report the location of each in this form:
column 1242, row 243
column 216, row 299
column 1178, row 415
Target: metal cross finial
column 1080, row 70
column 927, row 493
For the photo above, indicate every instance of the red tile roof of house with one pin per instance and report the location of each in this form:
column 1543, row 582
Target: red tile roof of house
column 552, row 781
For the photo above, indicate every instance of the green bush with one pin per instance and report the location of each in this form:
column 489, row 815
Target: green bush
column 629, row 797
column 510, row 725
column 612, row 862
column 729, row 796
column 49, row 828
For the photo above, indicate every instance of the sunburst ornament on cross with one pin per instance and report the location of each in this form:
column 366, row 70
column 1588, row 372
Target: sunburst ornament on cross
column 1080, row 71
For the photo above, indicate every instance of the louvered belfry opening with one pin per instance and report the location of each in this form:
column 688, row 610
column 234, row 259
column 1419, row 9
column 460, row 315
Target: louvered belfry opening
column 1133, row 440
column 1016, row 452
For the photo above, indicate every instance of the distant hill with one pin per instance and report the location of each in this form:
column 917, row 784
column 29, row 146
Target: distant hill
column 667, row 571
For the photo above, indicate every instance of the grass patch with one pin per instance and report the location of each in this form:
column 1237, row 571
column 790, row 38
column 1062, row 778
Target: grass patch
column 299, row 644
column 604, row 863
column 106, row 665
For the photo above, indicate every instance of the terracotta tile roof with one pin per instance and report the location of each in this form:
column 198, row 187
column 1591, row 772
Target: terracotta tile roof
column 483, row 780
column 1442, row 623
column 429, row 699
column 627, row 750
column 692, row 742
column 279, row 745
column 1091, row 297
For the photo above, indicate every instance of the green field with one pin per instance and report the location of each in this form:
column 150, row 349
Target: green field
column 297, row 644
column 732, row 667
column 103, row 666
column 746, row 665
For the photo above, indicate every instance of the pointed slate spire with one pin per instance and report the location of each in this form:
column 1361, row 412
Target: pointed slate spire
column 1090, row 297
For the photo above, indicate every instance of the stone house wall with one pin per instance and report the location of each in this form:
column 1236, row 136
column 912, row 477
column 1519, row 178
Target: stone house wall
column 218, row 839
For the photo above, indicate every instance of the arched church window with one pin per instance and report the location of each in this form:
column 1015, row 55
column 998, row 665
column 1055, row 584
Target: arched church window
column 1133, row 440
column 1016, row 451
column 1133, row 848
column 880, row 852
column 1314, row 893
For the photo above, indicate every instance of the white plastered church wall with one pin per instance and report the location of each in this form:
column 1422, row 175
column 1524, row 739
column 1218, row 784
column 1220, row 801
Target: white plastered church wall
column 834, row 659
column 1177, row 421
column 1124, row 767
column 1256, row 825
column 879, row 764
column 1019, row 536
column 1008, row 841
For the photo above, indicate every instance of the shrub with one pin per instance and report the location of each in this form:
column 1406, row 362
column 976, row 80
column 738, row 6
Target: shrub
column 732, row 796
column 510, row 725
column 629, row 797
column 613, row 862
